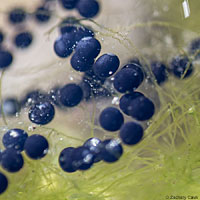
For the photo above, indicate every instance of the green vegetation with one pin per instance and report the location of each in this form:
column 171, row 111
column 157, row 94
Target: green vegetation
column 166, row 162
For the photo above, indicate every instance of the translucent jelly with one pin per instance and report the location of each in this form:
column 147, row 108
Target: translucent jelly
column 148, row 149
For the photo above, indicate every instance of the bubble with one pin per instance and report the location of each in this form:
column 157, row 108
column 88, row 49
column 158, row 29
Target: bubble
column 115, row 100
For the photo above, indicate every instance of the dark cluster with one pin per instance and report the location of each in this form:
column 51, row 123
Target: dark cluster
column 132, row 103
column 15, row 142
column 92, row 151
column 86, row 8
